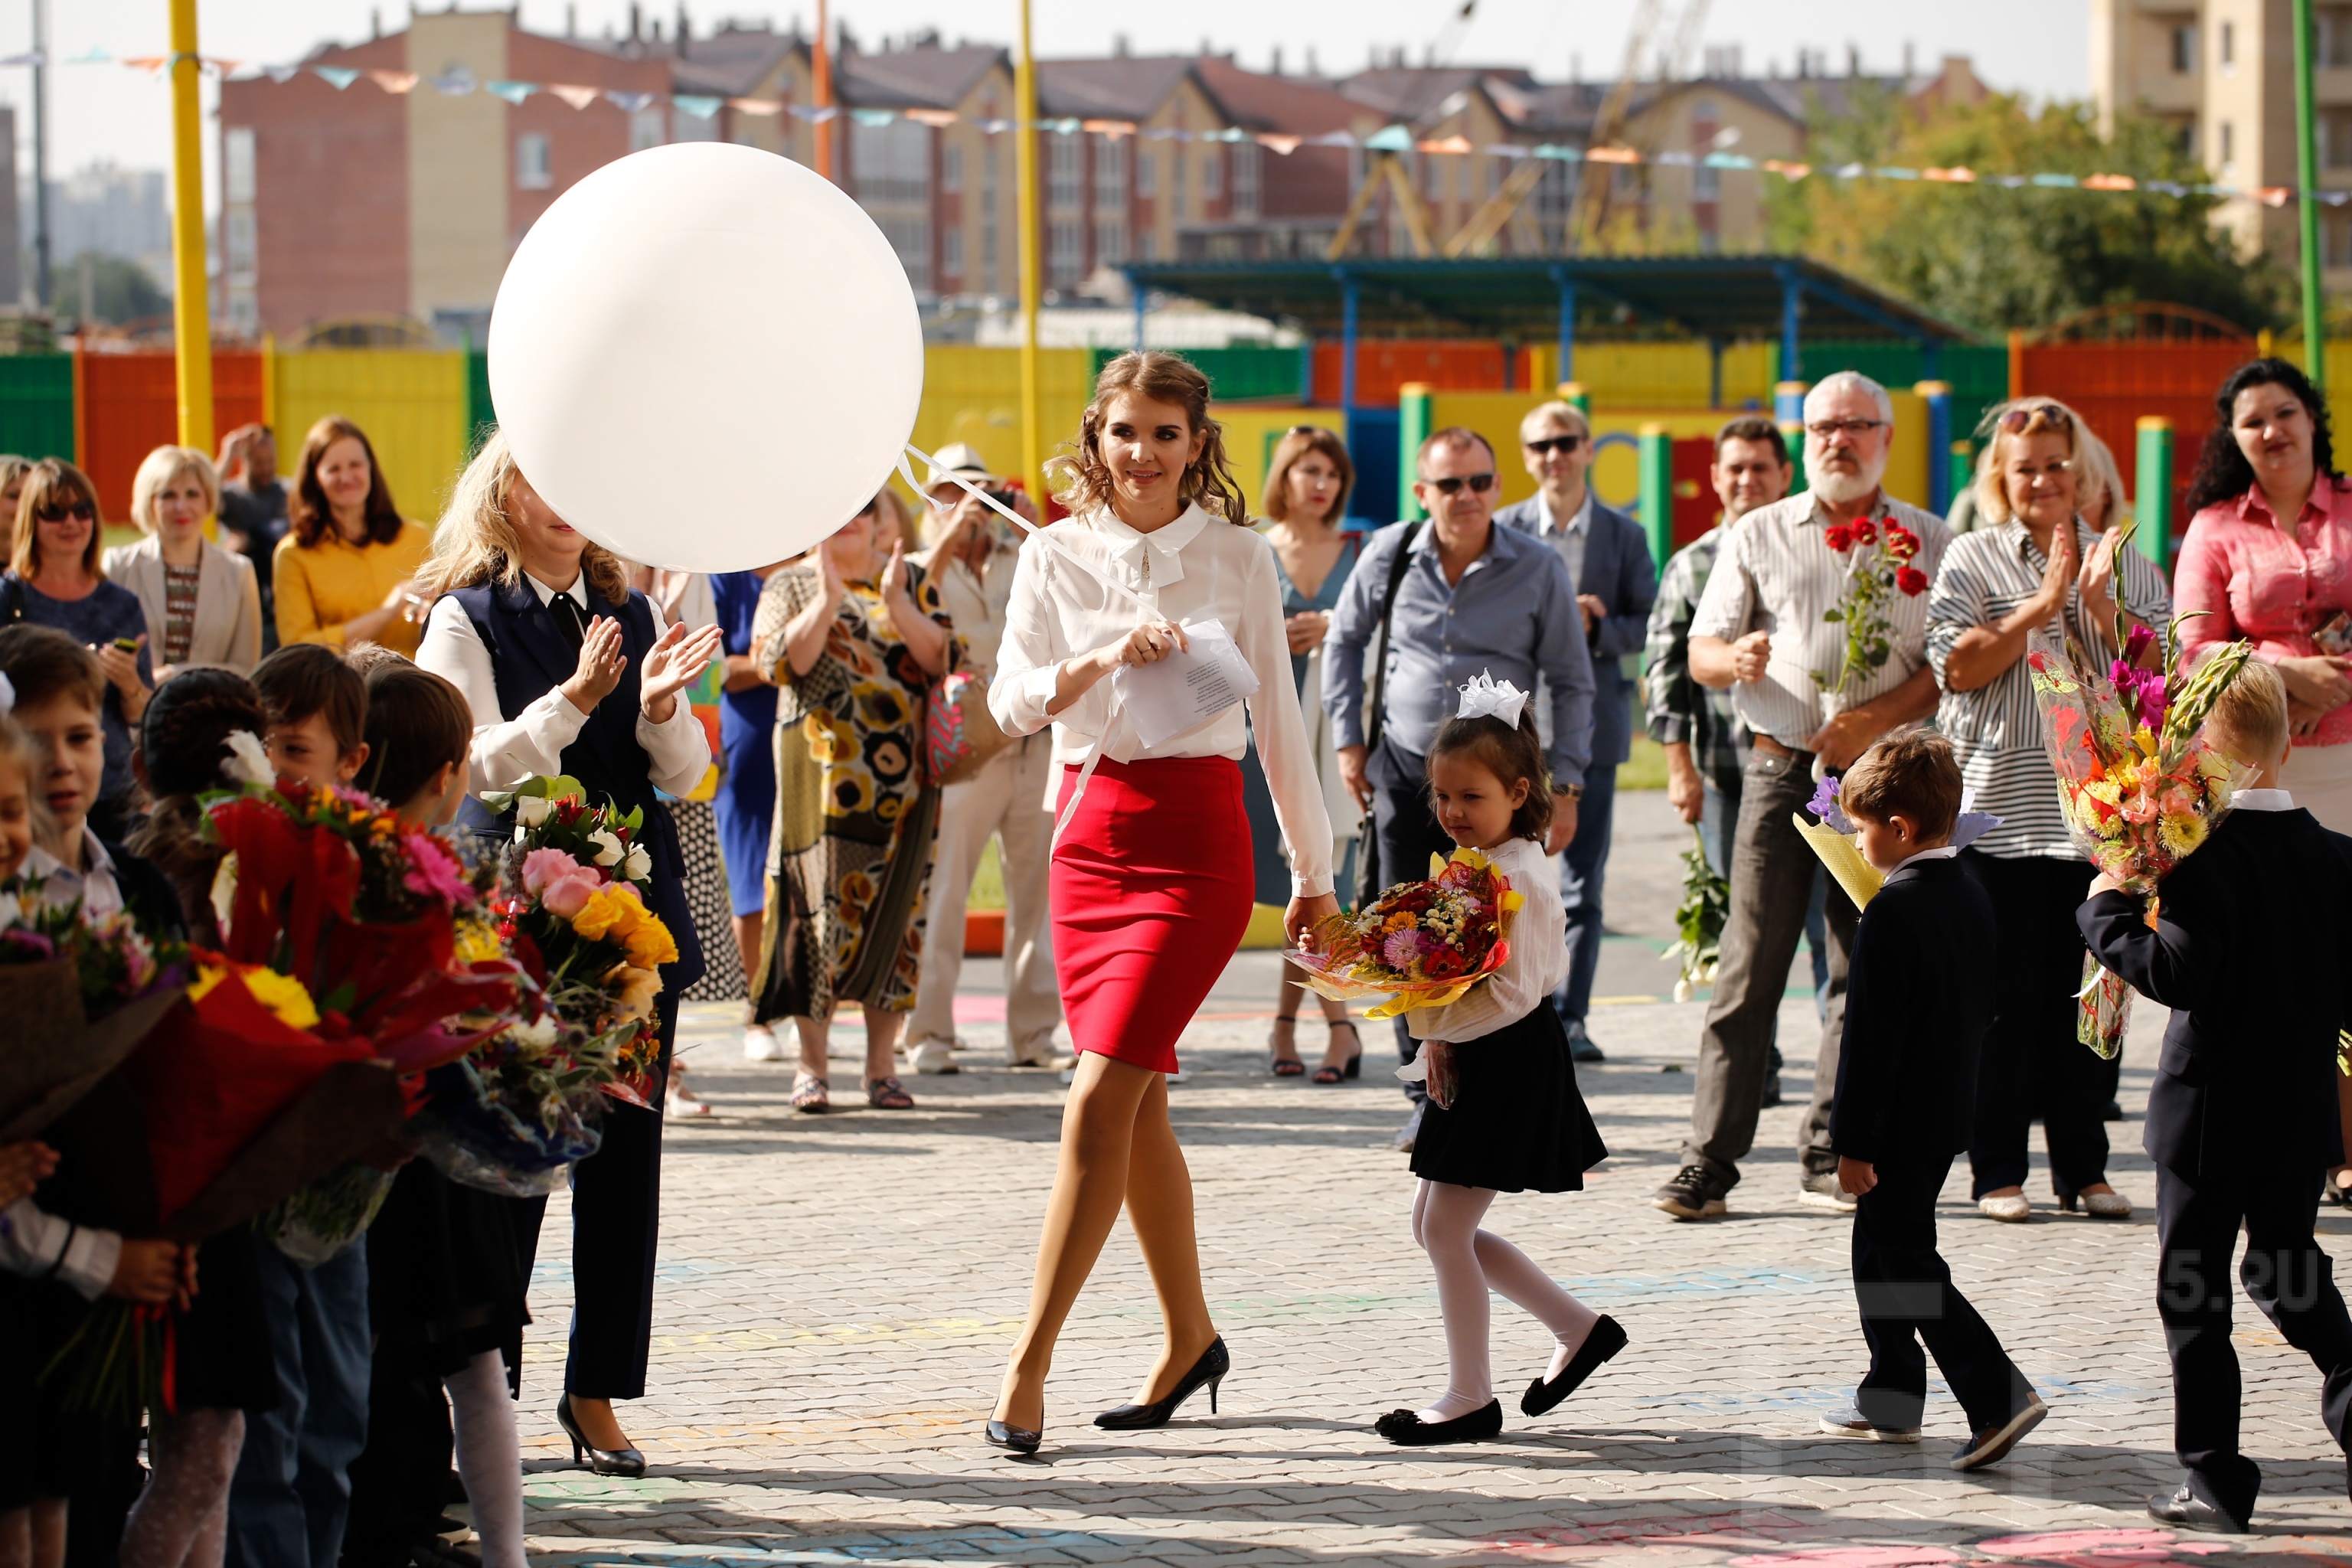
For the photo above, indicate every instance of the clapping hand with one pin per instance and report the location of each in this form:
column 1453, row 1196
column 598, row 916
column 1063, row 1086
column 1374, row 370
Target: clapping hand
column 673, row 664
column 2096, row 581
column 602, row 663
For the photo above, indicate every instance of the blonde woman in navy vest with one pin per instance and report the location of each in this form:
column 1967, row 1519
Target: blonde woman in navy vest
column 569, row 670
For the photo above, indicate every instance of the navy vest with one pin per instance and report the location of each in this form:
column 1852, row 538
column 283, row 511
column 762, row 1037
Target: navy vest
column 528, row 659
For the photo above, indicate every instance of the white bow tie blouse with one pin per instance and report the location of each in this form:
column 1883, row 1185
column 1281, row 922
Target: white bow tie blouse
column 1198, row 568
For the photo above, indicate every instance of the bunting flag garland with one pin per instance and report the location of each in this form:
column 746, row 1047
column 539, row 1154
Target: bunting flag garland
column 457, row 82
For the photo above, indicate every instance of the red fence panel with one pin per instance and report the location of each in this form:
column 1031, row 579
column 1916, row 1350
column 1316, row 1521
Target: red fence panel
column 1384, row 364
column 2114, row 384
column 129, row 406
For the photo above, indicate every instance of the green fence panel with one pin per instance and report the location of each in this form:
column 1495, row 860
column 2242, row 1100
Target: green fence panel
column 1254, row 371
column 1979, row 373
column 479, row 415
column 37, row 406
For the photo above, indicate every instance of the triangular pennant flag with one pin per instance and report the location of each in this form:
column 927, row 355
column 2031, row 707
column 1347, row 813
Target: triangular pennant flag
column 631, row 101
column 872, row 116
column 1331, row 139
column 1283, row 146
column 695, row 104
column 30, row 57
column 1113, row 129
column 757, row 105
column 337, row 76
column 281, row 73
column 514, row 93
column 936, row 118
column 147, row 62
column 577, row 97
column 96, row 57
column 1390, row 139
column 393, row 81
column 1450, row 144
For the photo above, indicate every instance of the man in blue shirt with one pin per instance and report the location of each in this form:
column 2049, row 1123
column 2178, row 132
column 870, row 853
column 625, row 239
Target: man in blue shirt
column 1467, row 597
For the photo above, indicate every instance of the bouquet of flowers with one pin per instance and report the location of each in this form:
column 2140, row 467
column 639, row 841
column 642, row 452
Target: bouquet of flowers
column 1698, row 919
column 1832, row 837
column 1878, row 569
column 1419, row 944
column 81, row 993
column 2140, row 786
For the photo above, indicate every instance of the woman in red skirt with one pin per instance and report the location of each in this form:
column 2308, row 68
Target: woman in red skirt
column 1152, row 880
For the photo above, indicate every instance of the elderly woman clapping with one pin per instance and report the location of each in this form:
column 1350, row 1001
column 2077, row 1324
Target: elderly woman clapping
column 2034, row 568
column 203, row 603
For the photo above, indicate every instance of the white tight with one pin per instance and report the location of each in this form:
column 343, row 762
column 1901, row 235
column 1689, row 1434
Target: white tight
column 489, row 1457
column 181, row 1519
column 1469, row 1263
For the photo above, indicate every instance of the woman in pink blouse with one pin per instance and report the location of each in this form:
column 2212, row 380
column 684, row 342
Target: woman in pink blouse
column 2269, row 556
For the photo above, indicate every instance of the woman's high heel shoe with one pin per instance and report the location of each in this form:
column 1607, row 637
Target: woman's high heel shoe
column 1210, row 1369
column 1014, row 1439
column 1276, row 1039
column 600, row 1461
column 1354, row 1065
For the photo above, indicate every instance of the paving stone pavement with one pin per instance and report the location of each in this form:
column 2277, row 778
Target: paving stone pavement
column 839, row 1294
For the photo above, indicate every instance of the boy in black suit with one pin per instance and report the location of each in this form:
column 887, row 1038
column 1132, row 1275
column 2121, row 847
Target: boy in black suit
column 1918, row 999
column 2248, row 952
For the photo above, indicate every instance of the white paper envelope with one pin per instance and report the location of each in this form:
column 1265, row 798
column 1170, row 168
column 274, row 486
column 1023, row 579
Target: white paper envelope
column 1186, row 689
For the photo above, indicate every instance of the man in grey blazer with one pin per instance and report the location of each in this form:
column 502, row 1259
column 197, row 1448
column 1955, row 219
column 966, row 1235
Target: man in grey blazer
column 1607, row 559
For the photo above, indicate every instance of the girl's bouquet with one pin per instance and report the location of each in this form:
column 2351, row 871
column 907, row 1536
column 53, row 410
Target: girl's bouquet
column 521, row 1107
column 1419, row 944
column 2140, row 786
column 80, row 994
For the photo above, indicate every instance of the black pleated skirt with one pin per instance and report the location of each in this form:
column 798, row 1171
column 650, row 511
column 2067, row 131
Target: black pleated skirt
column 1518, row 1122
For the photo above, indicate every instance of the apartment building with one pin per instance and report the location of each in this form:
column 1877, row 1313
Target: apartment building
column 2222, row 73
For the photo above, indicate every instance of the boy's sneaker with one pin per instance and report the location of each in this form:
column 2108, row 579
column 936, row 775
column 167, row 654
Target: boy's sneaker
column 1695, row 1193
column 1820, row 1190
column 1992, row 1445
column 1852, row 1422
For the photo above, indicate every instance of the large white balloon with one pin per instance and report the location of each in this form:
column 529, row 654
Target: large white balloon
column 706, row 356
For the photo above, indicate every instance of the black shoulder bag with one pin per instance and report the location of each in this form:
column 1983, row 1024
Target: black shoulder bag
column 1368, row 885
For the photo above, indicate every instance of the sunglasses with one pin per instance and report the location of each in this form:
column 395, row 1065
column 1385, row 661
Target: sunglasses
column 2017, row 419
column 80, row 509
column 1555, row 444
column 1479, row 484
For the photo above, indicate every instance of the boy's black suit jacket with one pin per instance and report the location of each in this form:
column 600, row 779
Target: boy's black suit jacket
column 1918, row 995
column 2250, row 951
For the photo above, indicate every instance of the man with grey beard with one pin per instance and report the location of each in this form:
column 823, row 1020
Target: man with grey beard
column 1760, row 630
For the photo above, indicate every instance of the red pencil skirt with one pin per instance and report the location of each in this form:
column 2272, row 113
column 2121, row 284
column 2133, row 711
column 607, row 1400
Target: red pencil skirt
column 1152, row 891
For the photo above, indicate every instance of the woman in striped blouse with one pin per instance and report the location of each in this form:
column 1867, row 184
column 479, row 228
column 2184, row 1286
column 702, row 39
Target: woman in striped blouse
column 2031, row 567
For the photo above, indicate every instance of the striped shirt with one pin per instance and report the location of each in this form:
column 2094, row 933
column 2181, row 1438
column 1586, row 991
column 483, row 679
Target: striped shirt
column 1996, row 729
column 1776, row 573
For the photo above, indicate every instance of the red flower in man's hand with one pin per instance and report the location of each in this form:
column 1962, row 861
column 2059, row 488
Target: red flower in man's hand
column 1839, row 537
column 1901, row 542
column 1864, row 532
column 1911, row 580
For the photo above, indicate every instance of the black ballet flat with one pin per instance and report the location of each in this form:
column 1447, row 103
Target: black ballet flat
column 1210, row 1370
column 1600, row 1346
column 626, row 1462
column 1407, row 1430
column 1014, row 1439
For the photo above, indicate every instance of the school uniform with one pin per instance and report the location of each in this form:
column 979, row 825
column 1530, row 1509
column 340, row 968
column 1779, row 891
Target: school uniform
column 1917, row 1002
column 2248, row 952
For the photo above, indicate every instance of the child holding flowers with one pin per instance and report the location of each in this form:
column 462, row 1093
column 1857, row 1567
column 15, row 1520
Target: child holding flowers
column 1504, row 1111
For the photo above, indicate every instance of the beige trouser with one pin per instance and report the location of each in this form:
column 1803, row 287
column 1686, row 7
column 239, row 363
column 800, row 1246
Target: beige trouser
column 1007, row 799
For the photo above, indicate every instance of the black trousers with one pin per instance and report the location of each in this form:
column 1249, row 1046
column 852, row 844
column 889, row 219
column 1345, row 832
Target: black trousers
column 401, row 1480
column 616, row 1228
column 2030, row 1063
column 2284, row 1273
column 1905, row 1293
column 1404, row 834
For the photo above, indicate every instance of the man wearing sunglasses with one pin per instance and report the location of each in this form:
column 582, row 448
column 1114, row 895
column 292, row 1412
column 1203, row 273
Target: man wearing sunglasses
column 1608, row 558
column 1759, row 631
column 1455, row 596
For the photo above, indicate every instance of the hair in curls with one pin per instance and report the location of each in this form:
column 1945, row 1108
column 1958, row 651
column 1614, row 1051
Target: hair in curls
column 182, row 740
column 1084, row 479
column 1510, row 755
column 2223, row 472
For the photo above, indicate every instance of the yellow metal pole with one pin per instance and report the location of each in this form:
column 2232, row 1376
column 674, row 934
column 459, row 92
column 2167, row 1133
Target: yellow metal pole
column 1025, row 115
column 191, row 308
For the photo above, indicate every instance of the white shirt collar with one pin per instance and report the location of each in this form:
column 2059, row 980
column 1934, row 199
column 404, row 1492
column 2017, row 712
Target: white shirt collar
column 1941, row 852
column 2263, row 800
column 1165, row 544
column 95, row 885
column 1579, row 521
column 577, row 592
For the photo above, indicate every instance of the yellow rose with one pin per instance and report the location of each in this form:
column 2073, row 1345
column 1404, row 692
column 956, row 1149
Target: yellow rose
column 282, row 994
column 651, row 943
column 633, row 990
column 597, row 916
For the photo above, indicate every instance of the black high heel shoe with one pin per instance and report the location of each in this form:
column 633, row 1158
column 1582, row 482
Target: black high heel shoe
column 1601, row 1342
column 1354, row 1066
column 1011, row 1438
column 600, row 1461
column 1210, row 1369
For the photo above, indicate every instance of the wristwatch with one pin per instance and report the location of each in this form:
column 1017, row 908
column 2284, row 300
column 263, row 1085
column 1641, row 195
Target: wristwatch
column 1572, row 790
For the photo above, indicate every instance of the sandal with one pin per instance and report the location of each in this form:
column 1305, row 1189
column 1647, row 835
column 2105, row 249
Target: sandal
column 810, row 1094
column 1285, row 1066
column 1334, row 1072
column 888, row 1094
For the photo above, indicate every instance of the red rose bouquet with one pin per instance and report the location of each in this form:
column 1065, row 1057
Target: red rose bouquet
column 1419, row 944
column 1878, row 570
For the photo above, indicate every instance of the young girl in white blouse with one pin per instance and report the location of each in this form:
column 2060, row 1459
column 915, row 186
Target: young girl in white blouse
column 1504, row 1111
column 1151, row 885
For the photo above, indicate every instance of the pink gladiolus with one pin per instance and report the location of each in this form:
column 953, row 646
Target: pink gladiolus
column 433, row 873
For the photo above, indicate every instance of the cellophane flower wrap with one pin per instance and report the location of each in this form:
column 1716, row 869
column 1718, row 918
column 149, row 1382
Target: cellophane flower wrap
column 521, row 1107
column 81, row 994
column 2141, row 787
column 1419, row 944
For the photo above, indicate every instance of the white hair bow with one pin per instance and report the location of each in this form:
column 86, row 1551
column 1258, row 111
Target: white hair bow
column 1483, row 695
column 247, row 761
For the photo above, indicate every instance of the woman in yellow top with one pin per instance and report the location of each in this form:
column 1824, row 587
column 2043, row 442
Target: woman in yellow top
column 345, row 569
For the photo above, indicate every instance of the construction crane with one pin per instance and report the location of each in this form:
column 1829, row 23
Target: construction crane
column 1384, row 168
column 1590, row 211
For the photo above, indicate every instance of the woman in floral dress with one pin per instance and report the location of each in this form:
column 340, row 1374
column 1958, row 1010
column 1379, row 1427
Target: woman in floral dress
column 851, row 637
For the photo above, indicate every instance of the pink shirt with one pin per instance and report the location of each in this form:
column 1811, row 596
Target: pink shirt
column 2261, row 585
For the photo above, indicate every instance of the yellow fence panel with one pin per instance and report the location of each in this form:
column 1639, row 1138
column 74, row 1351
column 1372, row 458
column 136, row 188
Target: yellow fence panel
column 1659, row 375
column 411, row 403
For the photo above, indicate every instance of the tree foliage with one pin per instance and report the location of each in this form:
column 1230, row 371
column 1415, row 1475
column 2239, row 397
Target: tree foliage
column 121, row 290
column 1989, row 258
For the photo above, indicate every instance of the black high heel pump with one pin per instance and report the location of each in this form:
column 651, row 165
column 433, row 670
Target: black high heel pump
column 1014, row 1439
column 600, row 1461
column 1211, row 1370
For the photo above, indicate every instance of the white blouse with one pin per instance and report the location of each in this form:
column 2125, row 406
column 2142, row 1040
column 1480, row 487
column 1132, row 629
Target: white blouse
column 1537, row 963
column 1198, row 568
column 507, row 751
